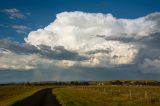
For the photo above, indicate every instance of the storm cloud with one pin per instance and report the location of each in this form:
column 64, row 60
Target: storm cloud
column 92, row 45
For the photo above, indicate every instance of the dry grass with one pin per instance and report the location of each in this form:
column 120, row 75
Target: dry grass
column 12, row 93
column 109, row 96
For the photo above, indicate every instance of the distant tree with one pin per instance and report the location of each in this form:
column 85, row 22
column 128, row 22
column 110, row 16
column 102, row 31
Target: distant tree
column 117, row 82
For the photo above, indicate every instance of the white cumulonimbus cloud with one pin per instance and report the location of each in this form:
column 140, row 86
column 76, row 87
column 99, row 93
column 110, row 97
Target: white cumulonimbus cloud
column 88, row 34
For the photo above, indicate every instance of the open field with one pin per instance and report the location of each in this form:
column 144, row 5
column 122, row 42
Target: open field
column 109, row 95
column 112, row 93
column 43, row 97
column 10, row 94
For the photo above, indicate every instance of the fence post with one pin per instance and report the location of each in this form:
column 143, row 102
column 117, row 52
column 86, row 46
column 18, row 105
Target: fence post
column 130, row 93
column 145, row 94
column 104, row 90
column 111, row 91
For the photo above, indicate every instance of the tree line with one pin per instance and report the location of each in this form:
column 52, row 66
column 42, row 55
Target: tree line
column 100, row 83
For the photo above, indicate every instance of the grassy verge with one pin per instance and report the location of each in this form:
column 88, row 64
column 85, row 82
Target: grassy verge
column 108, row 96
column 12, row 94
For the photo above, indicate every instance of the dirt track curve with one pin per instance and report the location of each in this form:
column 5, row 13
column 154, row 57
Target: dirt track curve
column 41, row 98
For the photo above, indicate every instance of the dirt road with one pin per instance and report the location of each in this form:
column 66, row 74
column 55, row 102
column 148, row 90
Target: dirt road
column 41, row 98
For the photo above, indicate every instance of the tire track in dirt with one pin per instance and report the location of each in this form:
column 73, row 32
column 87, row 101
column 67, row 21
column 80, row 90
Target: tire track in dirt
column 41, row 98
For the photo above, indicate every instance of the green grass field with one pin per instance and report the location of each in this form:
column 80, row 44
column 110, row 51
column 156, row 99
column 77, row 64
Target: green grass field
column 13, row 93
column 92, row 95
column 109, row 96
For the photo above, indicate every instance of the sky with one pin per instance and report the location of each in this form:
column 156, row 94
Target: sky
column 64, row 40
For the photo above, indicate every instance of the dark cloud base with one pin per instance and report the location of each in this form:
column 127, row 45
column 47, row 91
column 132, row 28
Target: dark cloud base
column 58, row 53
column 85, row 74
column 9, row 76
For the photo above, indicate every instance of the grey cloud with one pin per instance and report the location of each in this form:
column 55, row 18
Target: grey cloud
column 8, row 76
column 147, row 60
column 17, row 47
column 107, row 51
column 123, row 72
column 148, row 48
column 146, row 53
column 58, row 53
column 150, row 66
column 50, row 72
column 153, row 41
column 154, row 17
column 119, row 38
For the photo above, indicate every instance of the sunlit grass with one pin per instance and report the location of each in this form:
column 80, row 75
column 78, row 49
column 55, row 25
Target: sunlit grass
column 13, row 93
column 109, row 96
